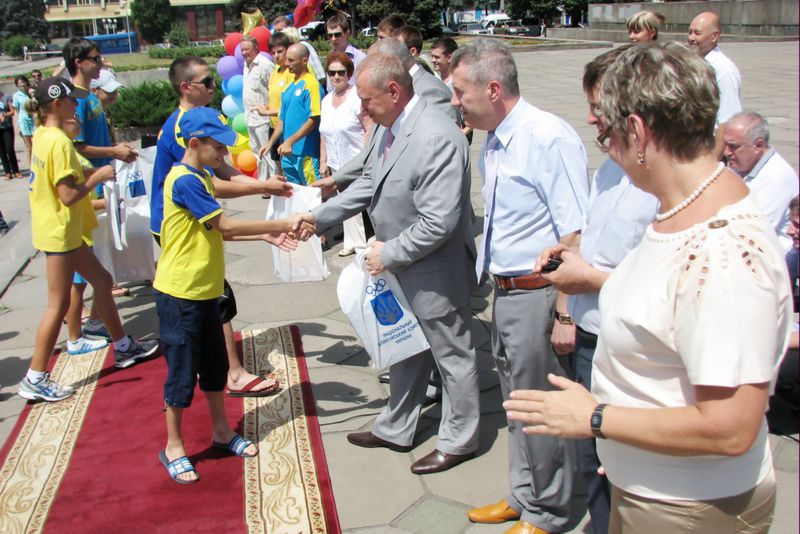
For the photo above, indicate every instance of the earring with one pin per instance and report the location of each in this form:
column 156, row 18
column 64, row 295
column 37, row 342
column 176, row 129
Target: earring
column 640, row 157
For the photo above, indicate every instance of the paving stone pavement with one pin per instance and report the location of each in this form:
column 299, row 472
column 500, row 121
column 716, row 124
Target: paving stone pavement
column 374, row 490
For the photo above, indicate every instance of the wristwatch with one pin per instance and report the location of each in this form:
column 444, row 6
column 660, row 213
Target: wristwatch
column 564, row 318
column 596, row 421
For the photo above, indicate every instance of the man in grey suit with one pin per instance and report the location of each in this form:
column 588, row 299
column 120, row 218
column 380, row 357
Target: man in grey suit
column 415, row 186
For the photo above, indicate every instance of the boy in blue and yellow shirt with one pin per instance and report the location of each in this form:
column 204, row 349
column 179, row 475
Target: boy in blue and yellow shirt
column 189, row 279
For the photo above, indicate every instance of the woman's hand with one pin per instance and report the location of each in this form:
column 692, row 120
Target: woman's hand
column 565, row 412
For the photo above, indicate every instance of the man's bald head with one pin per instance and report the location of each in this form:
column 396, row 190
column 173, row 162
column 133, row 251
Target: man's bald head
column 704, row 32
column 392, row 47
column 297, row 59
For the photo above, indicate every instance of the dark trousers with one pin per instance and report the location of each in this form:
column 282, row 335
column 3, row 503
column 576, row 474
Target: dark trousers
column 7, row 153
column 597, row 487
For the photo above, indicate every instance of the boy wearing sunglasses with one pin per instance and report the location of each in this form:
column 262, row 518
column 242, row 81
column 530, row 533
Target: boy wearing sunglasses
column 84, row 61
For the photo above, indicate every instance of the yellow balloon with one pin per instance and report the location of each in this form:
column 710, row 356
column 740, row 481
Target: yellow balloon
column 251, row 20
column 242, row 144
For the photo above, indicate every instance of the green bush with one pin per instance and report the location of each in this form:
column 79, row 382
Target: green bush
column 178, row 36
column 13, row 45
column 150, row 104
column 146, row 104
column 173, row 53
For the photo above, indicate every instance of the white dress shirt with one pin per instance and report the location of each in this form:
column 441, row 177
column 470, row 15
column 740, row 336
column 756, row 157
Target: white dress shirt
column 618, row 214
column 774, row 184
column 341, row 129
column 254, row 89
column 541, row 190
column 729, row 82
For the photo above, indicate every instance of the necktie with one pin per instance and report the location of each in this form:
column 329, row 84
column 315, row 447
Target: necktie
column 490, row 165
column 388, row 139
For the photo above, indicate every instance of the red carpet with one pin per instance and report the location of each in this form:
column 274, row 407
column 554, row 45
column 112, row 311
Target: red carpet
column 66, row 472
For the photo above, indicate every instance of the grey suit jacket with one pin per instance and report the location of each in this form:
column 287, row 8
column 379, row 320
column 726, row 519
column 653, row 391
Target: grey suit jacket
column 419, row 203
column 431, row 89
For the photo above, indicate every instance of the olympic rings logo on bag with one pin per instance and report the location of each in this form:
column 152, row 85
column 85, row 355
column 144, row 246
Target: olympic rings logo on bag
column 377, row 287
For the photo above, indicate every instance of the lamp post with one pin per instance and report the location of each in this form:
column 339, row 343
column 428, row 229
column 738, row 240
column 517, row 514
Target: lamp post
column 110, row 25
column 123, row 4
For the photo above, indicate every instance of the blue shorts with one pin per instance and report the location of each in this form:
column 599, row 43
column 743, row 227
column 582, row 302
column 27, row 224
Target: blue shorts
column 193, row 343
column 77, row 278
column 301, row 170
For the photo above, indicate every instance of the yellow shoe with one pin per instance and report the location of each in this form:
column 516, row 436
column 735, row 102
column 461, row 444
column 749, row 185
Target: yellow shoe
column 493, row 513
column 523, row 527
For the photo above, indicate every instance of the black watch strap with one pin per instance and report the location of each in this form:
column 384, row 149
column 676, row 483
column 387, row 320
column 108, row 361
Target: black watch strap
column 596, row 420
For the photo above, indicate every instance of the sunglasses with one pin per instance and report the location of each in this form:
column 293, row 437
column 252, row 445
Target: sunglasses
column 208, row 82
column 335, row 34
column 97, row 59
column 332, row 72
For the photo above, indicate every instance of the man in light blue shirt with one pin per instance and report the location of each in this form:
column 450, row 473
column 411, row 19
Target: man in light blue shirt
column 618, row 216
column 535, row 192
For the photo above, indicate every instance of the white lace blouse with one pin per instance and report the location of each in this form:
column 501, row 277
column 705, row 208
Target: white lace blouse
column 706, row 306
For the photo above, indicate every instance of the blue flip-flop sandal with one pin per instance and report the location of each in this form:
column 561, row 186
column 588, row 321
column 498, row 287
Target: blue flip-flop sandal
column 236, row 445
column 178, row 467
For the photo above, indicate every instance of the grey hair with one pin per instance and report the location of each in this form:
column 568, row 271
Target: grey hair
column 487, row 60
column 252, row 40
column 384, row 68
column 671, row 88
column 393, row 47
column 757, row 126
column 292, row 33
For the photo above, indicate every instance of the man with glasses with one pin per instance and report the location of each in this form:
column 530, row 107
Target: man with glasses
column 84, row 61
column 36, row 77
column 338, row 28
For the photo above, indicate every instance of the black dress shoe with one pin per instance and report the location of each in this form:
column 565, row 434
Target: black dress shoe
column 371, row 441
column 438, row 461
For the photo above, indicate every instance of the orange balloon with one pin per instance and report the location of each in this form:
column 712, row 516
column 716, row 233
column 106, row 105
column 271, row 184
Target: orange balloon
column 234, row 158
column 247, row 161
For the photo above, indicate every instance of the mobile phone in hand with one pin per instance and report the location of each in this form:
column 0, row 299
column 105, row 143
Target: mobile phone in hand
column 551, row 265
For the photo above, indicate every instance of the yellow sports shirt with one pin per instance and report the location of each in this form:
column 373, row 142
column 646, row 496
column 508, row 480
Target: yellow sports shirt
column 192, row 263
column 281, row 79
column 56, row 227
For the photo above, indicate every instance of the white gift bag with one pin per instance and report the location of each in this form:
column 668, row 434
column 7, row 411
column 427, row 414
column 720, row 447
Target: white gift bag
column 306, row 263
column 123, row 242
column 379, row 312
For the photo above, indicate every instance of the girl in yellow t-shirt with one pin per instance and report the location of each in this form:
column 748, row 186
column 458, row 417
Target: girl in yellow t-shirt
column 60, row 215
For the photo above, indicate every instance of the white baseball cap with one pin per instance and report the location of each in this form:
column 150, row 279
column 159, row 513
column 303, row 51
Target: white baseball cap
column 106, row 81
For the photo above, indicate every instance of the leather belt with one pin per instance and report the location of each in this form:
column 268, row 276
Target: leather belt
column 589, row 338
column 525, row 281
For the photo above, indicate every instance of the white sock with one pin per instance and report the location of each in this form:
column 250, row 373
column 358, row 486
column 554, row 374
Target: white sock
column 123, row 344
column 34, row 377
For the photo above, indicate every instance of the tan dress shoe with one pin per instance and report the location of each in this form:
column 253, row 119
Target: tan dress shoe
column 493, row 513
column 523, row 527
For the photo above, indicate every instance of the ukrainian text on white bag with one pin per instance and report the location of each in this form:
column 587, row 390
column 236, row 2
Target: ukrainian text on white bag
column 306, row 263
column 380, row 314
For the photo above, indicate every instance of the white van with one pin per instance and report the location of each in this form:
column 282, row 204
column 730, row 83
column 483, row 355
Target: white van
column 489, row 21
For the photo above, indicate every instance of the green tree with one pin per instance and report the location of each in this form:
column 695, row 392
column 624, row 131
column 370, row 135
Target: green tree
column 24, row 17
column 152, row 17
column 575, row 9
column 269, row 8
column 422, row 14
column 544, row 9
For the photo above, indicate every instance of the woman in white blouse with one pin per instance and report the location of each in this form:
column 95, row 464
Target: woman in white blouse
column 343, row 131
column 688, row 349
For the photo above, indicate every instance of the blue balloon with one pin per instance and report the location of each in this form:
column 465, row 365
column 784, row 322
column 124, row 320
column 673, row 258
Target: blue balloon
column 225, row 86
column 227, row 66
column 235, row 85
column 230, row 107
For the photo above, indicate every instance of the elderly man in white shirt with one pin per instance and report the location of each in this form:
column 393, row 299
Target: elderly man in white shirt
column 703, row 38
column 535, row 192
column 770, row 177
column 257, row 70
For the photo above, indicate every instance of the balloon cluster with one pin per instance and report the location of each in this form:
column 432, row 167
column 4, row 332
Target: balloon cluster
column 230, row 68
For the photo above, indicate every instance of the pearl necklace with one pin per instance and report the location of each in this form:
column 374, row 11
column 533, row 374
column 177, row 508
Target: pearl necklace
column 691, row 198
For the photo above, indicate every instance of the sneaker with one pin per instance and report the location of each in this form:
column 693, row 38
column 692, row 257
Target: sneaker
column 83, row 345
column 44, row 390
column 139, row 350
column 99, row 331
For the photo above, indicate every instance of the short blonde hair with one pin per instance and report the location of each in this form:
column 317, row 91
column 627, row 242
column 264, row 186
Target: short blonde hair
column 671, row 88
column 645, row 20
